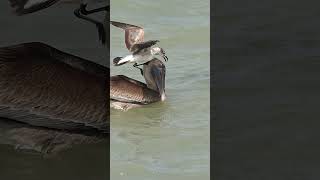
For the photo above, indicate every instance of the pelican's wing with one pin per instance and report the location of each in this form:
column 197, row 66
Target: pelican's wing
column 125, row 89
column 142, row 45
column 22, row 7
column 133, row 34
column 39, row 86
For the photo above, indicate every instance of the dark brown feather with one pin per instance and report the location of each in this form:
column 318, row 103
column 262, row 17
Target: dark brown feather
column 136, row 48
column 40, row 86
column 128, row 90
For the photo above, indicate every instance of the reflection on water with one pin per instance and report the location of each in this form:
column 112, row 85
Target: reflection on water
column 33, row 153
column 41, row 141
column 165, row 140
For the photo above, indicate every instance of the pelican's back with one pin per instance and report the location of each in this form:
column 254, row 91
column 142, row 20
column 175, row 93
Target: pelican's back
column 40, row 86
column 127, row 90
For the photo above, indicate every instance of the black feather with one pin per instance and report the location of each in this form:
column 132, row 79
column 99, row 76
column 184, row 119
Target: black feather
column 136, row 48
column 116, row 61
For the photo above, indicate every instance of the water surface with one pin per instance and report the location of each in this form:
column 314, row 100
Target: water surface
column 166, row 140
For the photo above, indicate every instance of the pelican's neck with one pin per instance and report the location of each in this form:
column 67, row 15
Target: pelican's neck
column 154, row 75
column 149, row 81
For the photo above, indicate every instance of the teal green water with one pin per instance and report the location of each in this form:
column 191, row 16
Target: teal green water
column 168, row 140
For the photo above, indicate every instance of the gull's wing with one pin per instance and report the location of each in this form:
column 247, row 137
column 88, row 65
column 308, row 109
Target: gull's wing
column 22, row 7
column 133, row 34
column 142, row 45
column 42, row 86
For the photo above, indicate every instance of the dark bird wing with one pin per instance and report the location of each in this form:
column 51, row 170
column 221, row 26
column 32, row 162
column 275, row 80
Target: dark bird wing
column 42, row 86
column 22, row 7
column 133, row 34
column 125, row 89
column 142, row 45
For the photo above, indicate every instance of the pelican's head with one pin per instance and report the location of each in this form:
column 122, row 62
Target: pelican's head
column 154, row 73
column 159, row 51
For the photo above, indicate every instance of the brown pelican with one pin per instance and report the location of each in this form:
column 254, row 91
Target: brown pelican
column 126, row 93
column 45, row 87
column 22, row 7
column 142, row 52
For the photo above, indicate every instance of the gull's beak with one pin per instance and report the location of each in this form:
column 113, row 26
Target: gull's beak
column 159, row 75
column 165, row 57
column 163, row 54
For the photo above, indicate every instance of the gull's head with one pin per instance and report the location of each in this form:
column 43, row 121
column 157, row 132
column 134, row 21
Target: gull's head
column 159, row 51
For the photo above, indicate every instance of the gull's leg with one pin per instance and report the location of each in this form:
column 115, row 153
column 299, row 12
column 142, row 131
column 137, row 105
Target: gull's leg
column 99, row 25
column 136, row 66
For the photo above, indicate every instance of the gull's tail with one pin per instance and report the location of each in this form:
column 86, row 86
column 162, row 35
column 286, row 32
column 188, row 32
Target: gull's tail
column 118, row 61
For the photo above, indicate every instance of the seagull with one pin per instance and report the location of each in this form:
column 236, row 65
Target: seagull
column 23, row 7
column 142, row 51
column 127, row 93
